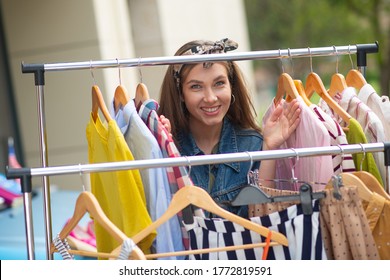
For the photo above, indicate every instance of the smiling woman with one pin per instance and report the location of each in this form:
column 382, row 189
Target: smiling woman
column 210, row 111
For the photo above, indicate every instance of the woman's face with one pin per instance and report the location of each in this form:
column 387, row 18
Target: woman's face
column 207, row 94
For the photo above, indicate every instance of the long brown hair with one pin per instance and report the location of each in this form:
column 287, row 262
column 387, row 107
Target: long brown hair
column 241, row 112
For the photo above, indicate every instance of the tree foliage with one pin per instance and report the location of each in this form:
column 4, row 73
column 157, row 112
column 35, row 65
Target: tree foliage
column 295, row 24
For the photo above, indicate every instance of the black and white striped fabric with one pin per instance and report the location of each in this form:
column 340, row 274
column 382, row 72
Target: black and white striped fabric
column 63, row 248
column 302, row 231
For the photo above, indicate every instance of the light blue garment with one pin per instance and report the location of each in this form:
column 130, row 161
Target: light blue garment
column 143, row 145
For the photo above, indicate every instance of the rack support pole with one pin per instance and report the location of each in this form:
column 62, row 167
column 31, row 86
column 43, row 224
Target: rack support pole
column 39, row 77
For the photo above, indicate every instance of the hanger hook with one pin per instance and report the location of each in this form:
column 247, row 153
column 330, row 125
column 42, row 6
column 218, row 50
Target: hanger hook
column 311, row 60
column 337, row 59
column 293, row 178
column 119, row 69
column 364, row 156
column 139, row 68
column 92, row 75
column 281, row 60
column 350, row 57
column 342, row 157
column 81, row 177
column 189, row 165
column 291, row 61
column 250, row 173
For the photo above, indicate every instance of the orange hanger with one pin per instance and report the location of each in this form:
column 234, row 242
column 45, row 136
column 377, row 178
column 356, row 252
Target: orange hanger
column 98, row 103
column 372, row 183
column 120, row 97
column 301, row 90
column 355, row 79
column 141, row 94
column 286, row 87
column 314, row 84
column 337, row 84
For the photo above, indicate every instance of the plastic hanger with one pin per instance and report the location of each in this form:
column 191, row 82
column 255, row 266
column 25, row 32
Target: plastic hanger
column 192, row 195
column 87, row 203
column 337, row 83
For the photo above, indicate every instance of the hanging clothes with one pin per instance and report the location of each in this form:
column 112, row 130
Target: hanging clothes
column 344, row 226
column 378, row 212
column 380, row 105
column 143, row 145
column 120, row 193
column 309, row 133
column 341, row 163
column 369, row 121
column 302, row 231
column 177, row 175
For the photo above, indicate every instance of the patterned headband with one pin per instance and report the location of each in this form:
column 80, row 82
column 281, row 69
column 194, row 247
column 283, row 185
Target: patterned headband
column 221, row 46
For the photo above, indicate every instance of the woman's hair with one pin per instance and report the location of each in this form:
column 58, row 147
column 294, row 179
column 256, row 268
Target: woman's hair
column 241, row 112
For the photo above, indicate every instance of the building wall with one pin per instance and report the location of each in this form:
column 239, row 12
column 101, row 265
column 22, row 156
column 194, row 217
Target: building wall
column 48, row 31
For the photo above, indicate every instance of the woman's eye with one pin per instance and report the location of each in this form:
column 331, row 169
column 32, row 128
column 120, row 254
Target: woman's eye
column 219, row 83
column 195, row 86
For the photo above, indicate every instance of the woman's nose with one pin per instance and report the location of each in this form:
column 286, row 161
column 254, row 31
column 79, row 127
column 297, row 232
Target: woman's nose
column 210, row 96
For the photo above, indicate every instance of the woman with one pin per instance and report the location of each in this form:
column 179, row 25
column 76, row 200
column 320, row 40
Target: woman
column 210, row 112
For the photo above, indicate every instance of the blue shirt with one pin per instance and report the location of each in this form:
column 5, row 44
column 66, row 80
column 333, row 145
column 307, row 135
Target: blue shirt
column 143, row 145
column 229, row 177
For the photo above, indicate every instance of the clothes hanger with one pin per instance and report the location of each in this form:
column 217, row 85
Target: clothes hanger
column 87, row 203
column 354, row 77
column 337, row 83
column 98, row 101
column 141, row 94
column 192, row 195
column 120, row 96
column 253, row 194
column 370, row 180
column 285, row 87
column 346, row 179
column 301, row 90
column 315, row 84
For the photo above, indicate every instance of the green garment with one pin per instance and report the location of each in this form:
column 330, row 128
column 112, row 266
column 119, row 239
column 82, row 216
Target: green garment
column 355, row 135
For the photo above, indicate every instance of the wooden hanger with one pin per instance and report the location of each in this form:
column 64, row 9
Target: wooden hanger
column 192, row 195
column 372, row 183
column 98, row 103
column 314, row 84
column 351, row 179
column 301, row 90
column 286, row 88
column 141, row 94
column 87, row 203
column 120, row 97
column 355, row 79
column 337, row 84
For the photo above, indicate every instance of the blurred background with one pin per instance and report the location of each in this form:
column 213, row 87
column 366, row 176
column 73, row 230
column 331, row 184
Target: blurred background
column 48, row 31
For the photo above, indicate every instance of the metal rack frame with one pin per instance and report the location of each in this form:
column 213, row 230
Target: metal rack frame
column 39, row 76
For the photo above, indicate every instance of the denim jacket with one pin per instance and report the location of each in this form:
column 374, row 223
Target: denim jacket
column 229, row 177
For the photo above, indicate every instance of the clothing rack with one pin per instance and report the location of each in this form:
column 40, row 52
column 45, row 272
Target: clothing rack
column 39, row 76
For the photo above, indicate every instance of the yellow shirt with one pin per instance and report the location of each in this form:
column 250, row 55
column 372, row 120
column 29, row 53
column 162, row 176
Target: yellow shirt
column 120, row 193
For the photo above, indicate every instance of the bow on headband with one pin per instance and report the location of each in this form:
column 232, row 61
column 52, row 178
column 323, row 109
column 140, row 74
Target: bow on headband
column 221, row 46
